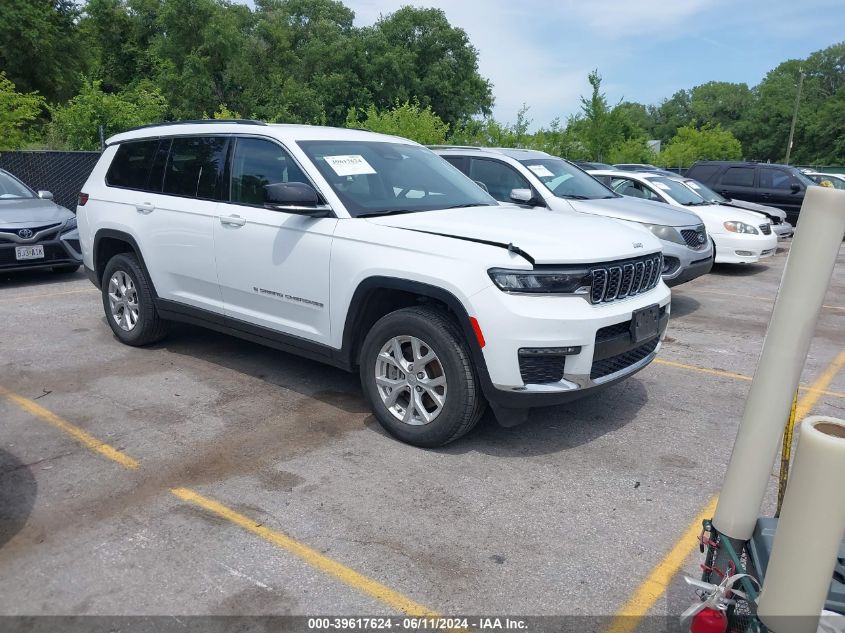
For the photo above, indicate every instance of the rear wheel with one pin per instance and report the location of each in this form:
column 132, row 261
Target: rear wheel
column 417, row 374
column 128, row 302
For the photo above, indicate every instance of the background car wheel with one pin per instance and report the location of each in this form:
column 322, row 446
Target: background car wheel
column 65, row 270
column 418, row 376
column 128, row 302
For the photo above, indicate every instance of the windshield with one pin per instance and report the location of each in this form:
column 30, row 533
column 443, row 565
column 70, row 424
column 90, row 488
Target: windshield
column 379, row 178
column 567, row 181
column 705, row 192
column 802, row 178
column 677, row 191
column 12, row 188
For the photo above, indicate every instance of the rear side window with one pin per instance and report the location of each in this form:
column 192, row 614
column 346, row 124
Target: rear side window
column 739, row 176
column 461, row 162
column 195, row 168
column 703, row 173
column 131, row 165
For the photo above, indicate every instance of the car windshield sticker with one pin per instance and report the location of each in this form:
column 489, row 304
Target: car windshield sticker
column 349, row 165
column 541, row 170
column 660, row 185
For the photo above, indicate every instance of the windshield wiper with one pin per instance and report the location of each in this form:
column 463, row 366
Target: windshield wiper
column 468, row 205
column 374, row 214
column 573, row 196
column 697, row 204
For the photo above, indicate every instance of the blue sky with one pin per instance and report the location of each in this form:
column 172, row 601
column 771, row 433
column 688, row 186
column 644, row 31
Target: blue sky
column 539, row 52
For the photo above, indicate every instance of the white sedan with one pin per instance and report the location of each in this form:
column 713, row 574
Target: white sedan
column 739, row 236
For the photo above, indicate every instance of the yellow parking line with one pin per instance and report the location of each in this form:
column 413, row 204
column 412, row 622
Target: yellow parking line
column 350, row 577
column 47, row 294
column 651, row 589
column 74, row 431
column 311, row 556
column 735, row 376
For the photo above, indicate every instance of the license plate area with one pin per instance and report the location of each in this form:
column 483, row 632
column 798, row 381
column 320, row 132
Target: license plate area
column 645, row 323
column 29, row 252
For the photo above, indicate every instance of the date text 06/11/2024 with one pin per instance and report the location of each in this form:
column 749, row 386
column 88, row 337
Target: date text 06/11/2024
column 416, row 623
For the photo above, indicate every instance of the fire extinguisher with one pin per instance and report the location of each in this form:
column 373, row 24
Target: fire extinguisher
column 710, row 614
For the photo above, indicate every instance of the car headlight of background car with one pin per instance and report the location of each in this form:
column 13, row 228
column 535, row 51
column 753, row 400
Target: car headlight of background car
column 740, row 227
column 69, row 225
column 666, row 233
column 561, row 281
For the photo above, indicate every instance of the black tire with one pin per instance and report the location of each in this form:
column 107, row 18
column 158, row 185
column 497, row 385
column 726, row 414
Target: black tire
column 149, row 327
column 463, row 404
column 65, row 270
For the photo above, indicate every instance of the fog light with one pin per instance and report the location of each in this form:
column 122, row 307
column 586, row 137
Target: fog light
column 670, row 265
column 744, row 253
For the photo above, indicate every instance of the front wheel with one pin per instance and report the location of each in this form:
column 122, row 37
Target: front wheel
column 418, row 376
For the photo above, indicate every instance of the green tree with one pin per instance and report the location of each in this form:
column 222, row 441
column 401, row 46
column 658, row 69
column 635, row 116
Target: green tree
column 720, row 103
column 598, row 129
column 708, row 143
column 76, row 125
column 18, row 111
column 407, row 120
column 670, row 115
column 39, row 46
column 417, row 53
column 632, row 150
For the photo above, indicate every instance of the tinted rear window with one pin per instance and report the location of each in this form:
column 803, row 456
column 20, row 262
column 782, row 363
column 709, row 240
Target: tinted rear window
column 131, row 165
column 739, row 176
column 703, row 173
column 195, row 167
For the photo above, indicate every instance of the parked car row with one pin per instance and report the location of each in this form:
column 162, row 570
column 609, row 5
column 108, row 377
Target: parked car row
column 450, row 280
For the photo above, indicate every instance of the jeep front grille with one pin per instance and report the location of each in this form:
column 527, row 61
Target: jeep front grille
column 618, row 280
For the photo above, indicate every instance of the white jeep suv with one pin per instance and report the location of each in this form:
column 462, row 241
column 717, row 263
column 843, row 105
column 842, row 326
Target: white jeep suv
column 370, row 253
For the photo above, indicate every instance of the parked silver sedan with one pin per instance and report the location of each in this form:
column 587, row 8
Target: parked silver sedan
column 35, row 232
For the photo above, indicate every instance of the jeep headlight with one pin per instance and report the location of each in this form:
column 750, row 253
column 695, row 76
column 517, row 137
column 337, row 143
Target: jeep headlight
column 666, row 233
column 557, row 281
column 741, row 227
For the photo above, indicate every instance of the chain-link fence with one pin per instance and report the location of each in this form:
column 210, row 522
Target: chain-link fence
column 62, row 173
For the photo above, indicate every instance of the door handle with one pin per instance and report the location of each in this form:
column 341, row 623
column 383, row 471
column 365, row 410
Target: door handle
column 232, row 220
column 145, row 208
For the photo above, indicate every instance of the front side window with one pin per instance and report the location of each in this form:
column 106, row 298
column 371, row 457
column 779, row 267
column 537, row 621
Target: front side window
column 565, row 180
column 195, row 167
column 738, row 177
column 379, row 178
column 130, row 167
column 257, row 163
column 12, row 188
column 775, row 179
column 500, row 179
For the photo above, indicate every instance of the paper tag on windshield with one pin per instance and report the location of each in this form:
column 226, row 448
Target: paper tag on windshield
column 541, row 170
column 349, row 165
column 660, row 185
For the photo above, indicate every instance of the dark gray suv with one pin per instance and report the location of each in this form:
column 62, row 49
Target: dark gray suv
column 35, row 232
column 781, row 186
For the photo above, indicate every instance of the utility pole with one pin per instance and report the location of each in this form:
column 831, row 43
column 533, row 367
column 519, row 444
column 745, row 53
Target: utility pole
column 794, row 115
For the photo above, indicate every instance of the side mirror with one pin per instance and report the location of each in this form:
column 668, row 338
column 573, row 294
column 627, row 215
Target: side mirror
column 795, row 187
column 523, row 196
column 295, row 197
column 45, row 195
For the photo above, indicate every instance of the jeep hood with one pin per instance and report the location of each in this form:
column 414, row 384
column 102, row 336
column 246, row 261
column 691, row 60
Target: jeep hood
column 634, row 210
column 540, row 235
column 23, row 212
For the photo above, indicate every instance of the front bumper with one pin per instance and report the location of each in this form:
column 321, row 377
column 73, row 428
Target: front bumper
column 783, row 230
column 524, row 321
column 738, row 248
column 59, row 250
column 687, row 264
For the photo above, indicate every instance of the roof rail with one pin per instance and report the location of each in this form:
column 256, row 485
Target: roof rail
column 194, row 122
column 455, row 147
